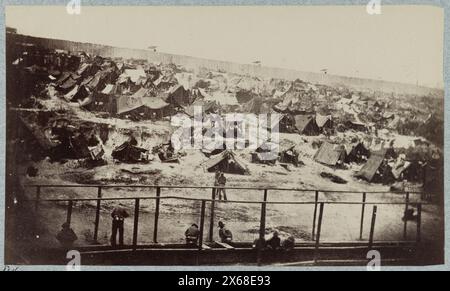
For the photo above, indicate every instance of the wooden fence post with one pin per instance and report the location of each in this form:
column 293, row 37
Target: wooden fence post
column 363, row 208
column 136, row 222
column 156, row 222
column 211, row 219
column 316, row 200
column 97, row 214
column 202, row 225
column 262, row 227
column 405, row 218
column 319, row 231
column 372, row 226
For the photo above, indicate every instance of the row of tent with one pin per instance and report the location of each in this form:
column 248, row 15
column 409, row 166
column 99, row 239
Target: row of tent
column 381, row 166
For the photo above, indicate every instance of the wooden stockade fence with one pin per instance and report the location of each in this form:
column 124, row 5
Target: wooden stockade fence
column 319, row 208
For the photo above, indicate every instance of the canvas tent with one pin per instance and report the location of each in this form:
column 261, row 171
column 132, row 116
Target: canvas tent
column 324, row 122
column 330, row 154
column 356, row 152
column 179, row 96
column 129, row 152
column 376, row 169
column 226, row 162
column 306, row 125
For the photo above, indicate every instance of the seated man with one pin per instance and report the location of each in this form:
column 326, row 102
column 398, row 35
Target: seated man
column 224, row 233
column 275, row 242
column 192, row 234
column 66, row 236
column 289, row 243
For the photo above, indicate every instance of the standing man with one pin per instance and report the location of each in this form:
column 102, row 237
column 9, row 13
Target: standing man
column 222, row 181
column 118, row 215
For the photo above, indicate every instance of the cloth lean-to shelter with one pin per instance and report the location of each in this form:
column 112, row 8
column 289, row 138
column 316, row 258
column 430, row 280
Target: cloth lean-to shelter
column 227, row 162
column 370, row 169
column 330, row 154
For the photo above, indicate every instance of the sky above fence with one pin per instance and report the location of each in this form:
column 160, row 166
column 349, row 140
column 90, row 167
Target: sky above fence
column 403, row 44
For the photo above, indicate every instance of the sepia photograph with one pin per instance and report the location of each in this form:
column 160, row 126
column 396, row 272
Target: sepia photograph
column 253, row 136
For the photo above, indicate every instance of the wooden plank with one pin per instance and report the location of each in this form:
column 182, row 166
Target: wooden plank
column 224, row 245
column 205, row 247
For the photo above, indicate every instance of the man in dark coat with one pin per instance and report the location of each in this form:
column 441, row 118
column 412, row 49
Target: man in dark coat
column 66, row 236
column 118, row 215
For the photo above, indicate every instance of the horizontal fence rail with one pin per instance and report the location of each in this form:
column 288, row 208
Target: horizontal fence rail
column 318, row 202
column 216, row 187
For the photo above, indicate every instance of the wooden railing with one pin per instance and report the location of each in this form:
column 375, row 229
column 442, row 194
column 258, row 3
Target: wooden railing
column 319, row 206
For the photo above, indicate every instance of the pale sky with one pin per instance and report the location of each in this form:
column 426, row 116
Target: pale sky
column 404, row 43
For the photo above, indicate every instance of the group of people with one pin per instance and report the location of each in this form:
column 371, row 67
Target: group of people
column 275, row 243
column 67, row 236
column 193, row 233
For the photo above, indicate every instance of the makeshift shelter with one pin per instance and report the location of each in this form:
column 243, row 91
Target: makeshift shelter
column 206, row 106
column 79, row 92
column 179, row 96
column 130, row 153
column 128, row 103
column 244, row 96
column 156, row 108
column 376, row 169
column 357, row 126
column 290, row 156
column 324, row 122
column 166, row 153
column 306, row 125
column 330, row 154
column 296, row 100
column 267, row 153
column 356, row 153
column 226, row 162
